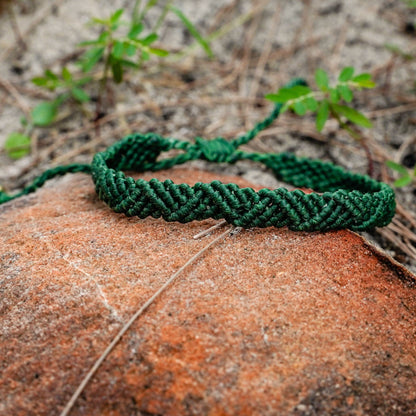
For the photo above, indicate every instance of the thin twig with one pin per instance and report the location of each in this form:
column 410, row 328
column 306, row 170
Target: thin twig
column 403, row 108
column 399, row 228
column 15, row 27
column 209, row 230
column 11, row 89
column 406, row 214
column 265, row 53
column 398, row 242
column 42, row 14
column 403, row 148
column 125, row 328
column 247, row 51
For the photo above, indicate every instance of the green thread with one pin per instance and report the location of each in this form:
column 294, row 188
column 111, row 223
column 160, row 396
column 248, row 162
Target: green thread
column 345, row 200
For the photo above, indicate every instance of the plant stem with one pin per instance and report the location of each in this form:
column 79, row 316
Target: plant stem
column 162, row 17
column 104, row 80
column 222, row 31
column 135, row 13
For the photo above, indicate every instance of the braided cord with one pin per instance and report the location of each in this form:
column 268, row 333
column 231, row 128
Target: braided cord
column 45, row 176
column 343, row 199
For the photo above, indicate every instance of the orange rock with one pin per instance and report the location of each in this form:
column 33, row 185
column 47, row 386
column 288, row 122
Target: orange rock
column 267, row 322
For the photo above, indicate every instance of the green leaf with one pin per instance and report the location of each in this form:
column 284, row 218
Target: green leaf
column 286, row 94
column 345, row 93
column 362, row 77
column 403, row 181
column 17, row 145
column 279, row 97
column 40, row 81
column 299, row 108
column 158, row 52
column 145, row 55
column 150, row 4
column 311, row 103
column 90, row 43
column 115, row 17
column 367, row 84
column 346, row 74
column 118, row 49
column 101, row 41
column 283, row 108
column 49, row 80
column 128, row 63
column 103, row 38
column 130, row 49
column 90, row 58
column 49, row 74
column 117, row 70
column 135, row 30
column 66, row 75
column 300, row 90
column 352, row 115
column 193, row 31
column 80, row 95
column 333, row 95
column 138, row 17
column 98, row 21
column 322, row 115
column 364, row 81
column 44, row 113
column 321, row 79
column 82, row 81
column 149, row 39
column 397, row 167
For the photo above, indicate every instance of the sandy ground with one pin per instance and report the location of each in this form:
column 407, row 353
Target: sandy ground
column 194, row 96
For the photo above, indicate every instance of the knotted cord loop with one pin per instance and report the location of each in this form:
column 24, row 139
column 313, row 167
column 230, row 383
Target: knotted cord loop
column 342, row 200
column 217, row 150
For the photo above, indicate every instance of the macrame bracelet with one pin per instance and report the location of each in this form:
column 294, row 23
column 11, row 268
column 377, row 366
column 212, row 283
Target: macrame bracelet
column 345, row 200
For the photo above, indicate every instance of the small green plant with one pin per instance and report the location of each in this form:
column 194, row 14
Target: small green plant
column 123, row 45
column 68, row 87
column 326, row 101
column 120, row 45
column 43, row 114
column 406, row 176
column 117, row 51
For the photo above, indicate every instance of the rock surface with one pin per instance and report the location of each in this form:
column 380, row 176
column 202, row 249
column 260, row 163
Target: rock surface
column 266, row 322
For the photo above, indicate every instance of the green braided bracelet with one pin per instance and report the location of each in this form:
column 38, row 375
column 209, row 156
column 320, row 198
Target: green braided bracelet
column 345, row 200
